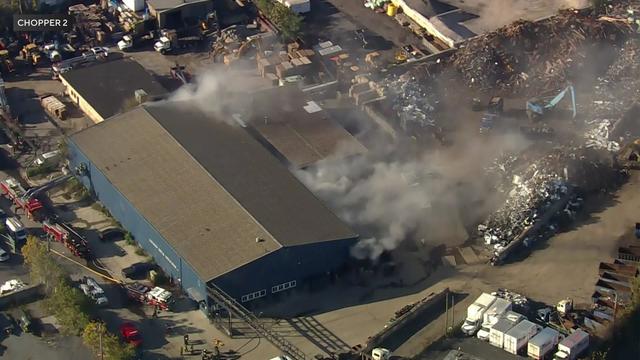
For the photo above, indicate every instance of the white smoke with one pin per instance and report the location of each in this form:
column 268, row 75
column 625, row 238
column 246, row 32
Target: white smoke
column 387, row 197
column 216, row 93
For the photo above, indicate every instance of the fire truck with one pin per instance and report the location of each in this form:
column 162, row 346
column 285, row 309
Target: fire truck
column 13, row 190
column 66, row 235
column 143, row 294
column 27, row 199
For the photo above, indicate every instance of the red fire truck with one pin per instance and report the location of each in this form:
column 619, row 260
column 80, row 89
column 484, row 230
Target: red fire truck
column 65, row 234
column 143, row 294
column 13, row 190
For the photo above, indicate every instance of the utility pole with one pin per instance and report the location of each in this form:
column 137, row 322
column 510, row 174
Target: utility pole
column 446, row 314
column 453, row 310
column 100, row 334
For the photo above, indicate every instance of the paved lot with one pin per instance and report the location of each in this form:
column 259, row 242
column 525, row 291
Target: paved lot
column 30, row 347
column 472, row 346
column 336, row 15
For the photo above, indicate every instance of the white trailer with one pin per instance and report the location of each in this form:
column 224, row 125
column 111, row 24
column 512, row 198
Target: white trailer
column 475, row 313
column 500, row 329
column 494, row 314
column 518, row 337
column 572, row 346
column 543, row 343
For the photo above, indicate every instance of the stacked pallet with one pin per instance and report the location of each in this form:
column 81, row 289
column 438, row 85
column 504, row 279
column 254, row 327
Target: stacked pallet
column 280, row 65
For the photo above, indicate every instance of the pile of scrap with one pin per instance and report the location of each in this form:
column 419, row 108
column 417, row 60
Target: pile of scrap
column 364, row 90
column 536, row 55
column 90, row 22
column 543, row 196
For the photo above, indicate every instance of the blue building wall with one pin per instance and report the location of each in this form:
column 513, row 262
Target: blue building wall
column 143, row 232
column 299, row 263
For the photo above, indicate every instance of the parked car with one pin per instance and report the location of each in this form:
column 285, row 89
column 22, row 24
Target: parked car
column 4, row 255
column 11, row 285
column 48, row 158
column 130, row 334
column 137, row 270
column 93, row 290
column 98, row 50
column 112, row 234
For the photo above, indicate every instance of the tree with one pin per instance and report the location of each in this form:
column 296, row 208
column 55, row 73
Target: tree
column 288, row 22
column 42, row 268
column 70, row 307
column 112, row 348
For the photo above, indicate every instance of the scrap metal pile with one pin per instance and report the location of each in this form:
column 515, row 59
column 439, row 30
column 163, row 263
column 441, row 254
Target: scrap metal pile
column 520, row 302
column 414, row 101
column 544, row 193
column 536, row 56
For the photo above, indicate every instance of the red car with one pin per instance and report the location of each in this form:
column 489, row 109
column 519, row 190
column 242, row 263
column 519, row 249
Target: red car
column 130, row 334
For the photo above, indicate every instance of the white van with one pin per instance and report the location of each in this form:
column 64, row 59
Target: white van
column 16, row 230
column 47, row 158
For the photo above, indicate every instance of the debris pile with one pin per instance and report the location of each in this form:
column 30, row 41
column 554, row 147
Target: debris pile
column 519, row 301
column 543, row 193
column 598, row 136
column 536, row 56
column 414, row 102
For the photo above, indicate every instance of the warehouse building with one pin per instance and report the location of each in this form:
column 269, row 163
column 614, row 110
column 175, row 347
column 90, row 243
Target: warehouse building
column 175, row 14
column 209, row 202
column 108, row 88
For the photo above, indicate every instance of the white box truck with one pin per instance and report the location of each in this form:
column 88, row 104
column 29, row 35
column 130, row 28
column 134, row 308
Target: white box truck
column 542, row 344
column 572, row 346
column 519, row 335
column 475, row 313
column 499, row 308
column 499, row 329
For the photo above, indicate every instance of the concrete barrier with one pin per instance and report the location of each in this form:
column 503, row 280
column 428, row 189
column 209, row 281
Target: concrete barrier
column 425, row 305
column 23, row 296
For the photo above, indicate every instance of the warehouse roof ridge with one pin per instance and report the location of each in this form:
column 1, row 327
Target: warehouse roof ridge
column 173, row 174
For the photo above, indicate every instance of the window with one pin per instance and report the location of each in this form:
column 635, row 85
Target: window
column 282, row 287
column 253, row 295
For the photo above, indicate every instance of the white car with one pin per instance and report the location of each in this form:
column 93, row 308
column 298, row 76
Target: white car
column 4, row 256
column 92, row 290
column 99, row 50
column 11, row 285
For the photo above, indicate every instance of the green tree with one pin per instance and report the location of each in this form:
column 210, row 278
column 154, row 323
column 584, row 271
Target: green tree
column 42, row 268
column 288, row 23
column 70, row 307
column 112, row 348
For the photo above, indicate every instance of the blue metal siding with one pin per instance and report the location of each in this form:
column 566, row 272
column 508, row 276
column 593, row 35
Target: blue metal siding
column 143, row 232
column 297, row 263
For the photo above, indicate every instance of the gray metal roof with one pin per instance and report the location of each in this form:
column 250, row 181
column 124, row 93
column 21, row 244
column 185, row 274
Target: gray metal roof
column 208, row 187
column 109, row 87
column 160, row 5
column 298, row 129
column 503, row 325
column 521, row 329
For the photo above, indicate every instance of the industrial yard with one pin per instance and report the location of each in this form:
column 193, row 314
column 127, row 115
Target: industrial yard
column 328, row 179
